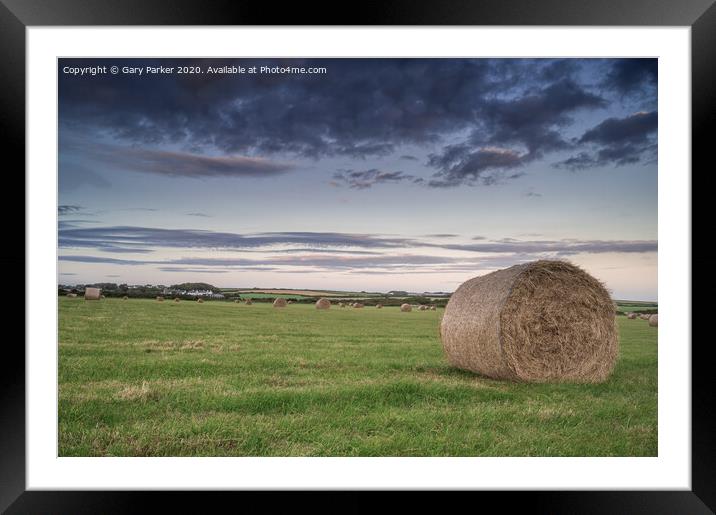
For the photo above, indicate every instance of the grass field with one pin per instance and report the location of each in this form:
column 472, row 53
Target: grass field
column 142, row 378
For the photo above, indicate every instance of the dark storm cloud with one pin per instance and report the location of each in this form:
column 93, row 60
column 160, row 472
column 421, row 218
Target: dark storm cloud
column 459, row 164
column 361, row 180
column 628, row 76
column 530, row 124
column 635, row 128
column 533, row 119
column 617, row 141
column 361, row 107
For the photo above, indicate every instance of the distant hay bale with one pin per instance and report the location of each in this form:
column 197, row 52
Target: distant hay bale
column 433, row 308
column 102, row 297
column 248, row 302
column 92, row 293
column 406, row 307
column 341, row 305
column 160, row 298
column 236, row 301
column 323, row 303
column 279, row 303
column 422, row 308
column 357, row 305
column 72, row 295
column 631, row 316
column 177, row 299
column 644, row 316
column 379, row 306
column 200, row 301
column 289, row 302
column 125, row 298
column 545, row 321
column 654, row 320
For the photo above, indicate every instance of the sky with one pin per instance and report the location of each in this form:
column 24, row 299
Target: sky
column 366, row 175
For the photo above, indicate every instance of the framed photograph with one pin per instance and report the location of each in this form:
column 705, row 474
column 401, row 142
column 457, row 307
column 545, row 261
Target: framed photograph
column 422, row 249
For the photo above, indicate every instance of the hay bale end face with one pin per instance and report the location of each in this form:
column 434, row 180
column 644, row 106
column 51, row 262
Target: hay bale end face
column 406, row 307
column 323, row 304
column 631, row 316
column 279, row 303
column 654, row 321
column 92, row 293
column 545, row 321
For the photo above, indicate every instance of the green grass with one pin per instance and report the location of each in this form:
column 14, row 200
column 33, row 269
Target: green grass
column 634, row 306
column 142, row 378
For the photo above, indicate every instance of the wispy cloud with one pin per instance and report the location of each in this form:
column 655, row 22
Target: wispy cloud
column 361, row 180
column 68, row 209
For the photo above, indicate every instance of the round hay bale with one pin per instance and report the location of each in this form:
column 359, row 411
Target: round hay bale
column 177, row 299
column 422, row 308
column 125, row 298
column 357, row 305
column 160, row 298
column 644, row 317
column 72, row 295
column 236, row 301
column 92, row 293
column 102, row 297
column 545, row 321
column 248, row 302
column 433, row 308
column 341, row 305
column 406, row 307
column 289, row 302
column 323, row 303
column 279, row 303
column 200, row 301
column 631, row 316
column 379, row 306
column 654, row 321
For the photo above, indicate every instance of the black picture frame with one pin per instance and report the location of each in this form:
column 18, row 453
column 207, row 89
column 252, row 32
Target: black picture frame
column 700, row 15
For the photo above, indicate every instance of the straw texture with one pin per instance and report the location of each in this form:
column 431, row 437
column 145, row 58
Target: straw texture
column 545, row 321
column 92, row 293
column 323, row 304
